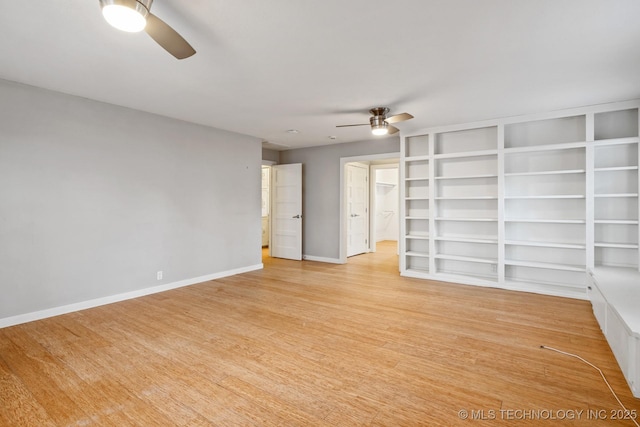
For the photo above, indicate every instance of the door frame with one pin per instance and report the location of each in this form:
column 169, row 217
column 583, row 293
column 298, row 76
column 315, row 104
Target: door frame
column 343, row 196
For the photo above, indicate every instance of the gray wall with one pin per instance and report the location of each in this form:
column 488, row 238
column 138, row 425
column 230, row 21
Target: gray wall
column 95, row 199
column 271, row 155
column 321, row 190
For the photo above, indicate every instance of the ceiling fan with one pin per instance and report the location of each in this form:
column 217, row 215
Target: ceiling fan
column 134, row 16
column 380, row 123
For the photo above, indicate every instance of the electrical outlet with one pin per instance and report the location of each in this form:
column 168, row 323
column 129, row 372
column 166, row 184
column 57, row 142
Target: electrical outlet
column 159, row 275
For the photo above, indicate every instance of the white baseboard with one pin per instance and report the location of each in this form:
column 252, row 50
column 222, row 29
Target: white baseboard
column 64, row 309
column 322, row 259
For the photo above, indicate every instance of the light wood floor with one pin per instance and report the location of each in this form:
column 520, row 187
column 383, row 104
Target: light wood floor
column 312, row 344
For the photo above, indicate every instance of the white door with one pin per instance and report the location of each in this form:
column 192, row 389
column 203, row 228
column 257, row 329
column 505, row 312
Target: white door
column 286, row 211
column 357, row 209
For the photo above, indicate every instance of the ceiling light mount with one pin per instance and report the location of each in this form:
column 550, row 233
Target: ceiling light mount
column 379, row 112
column 126, row 15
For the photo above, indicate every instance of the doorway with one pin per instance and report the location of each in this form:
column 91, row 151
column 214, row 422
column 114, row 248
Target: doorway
column 380, row 215
column 281, row 202
column 266, row 205
column 386, row 205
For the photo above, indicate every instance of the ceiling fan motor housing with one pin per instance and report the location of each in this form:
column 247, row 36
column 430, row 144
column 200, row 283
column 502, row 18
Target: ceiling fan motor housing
column 377, row 121
column 380, row 112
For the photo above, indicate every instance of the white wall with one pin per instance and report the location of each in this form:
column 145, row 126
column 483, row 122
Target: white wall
column 95, row 199
column 387, row 204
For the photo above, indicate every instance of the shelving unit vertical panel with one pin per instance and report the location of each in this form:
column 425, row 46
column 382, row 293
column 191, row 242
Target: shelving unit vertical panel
column 589, row 191
column 433, row 230
column 501, row 205
column 403, row 205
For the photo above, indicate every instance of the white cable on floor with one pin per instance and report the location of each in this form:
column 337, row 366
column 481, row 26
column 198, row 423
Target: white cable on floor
column 626, row 411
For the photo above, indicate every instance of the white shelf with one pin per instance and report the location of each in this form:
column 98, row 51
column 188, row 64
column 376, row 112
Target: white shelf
column 417, row 179
column 616, row 195
column 468, row 219
column 466, row 154
column 417, row 236
column 417, row 158
column 465, row 240
column 416, row 217
column 547, row 265
column 466, row 258
column 616, row 221
column 545, row 244
column 555, row 172
column 416, row 198
column 616, row 141
column 467, row 176
column 463, row 277
column 468, row 198
column 547, row 147
column 417, row 254
column 616, row 168
column 547, row 221
column 554, row 196
column 615, row 245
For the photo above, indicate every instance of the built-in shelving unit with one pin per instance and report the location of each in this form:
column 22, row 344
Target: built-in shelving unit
column 466, row 204
column 616, row 189
column 415, row 224
column 523, row 203
column 545, row 209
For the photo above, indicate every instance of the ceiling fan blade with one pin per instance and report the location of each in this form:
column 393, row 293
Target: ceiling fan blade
column 168, row 38
column 392, row 130
column 346, row 126
column 398, row 118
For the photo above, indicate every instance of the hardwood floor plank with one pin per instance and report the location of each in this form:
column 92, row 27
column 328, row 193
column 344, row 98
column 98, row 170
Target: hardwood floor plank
column 311, row 344
column 19, row 406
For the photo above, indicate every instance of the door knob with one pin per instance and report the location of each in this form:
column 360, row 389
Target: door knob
column 297, row 216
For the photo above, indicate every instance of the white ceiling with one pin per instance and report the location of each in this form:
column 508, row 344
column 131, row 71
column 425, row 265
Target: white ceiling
column 263, row 67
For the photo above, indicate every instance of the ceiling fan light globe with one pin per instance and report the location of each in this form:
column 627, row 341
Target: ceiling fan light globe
column 379, row 131
column 129, row 16
column 378, row 125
